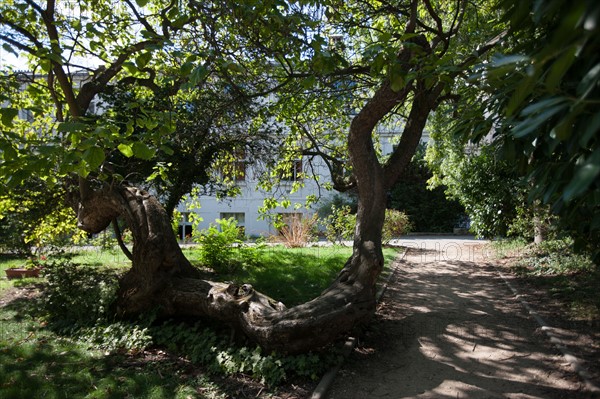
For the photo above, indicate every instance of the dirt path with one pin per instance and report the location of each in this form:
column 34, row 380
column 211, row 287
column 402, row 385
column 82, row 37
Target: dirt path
column 448, row 327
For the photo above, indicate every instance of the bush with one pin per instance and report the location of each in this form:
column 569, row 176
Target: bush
column 223, row 248
column 298, row 231
column 340, row 224
column 76, row 295
column 203, row 346
column 553, row 257
column 395, row 225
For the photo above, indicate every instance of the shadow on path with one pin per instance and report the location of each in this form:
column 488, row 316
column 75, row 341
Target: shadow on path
column 451, row 329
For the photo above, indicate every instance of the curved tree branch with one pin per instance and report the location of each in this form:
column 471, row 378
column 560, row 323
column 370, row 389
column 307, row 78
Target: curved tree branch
column 115, row 224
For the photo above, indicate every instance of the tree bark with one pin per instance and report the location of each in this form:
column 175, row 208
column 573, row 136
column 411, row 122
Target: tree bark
column 161, row 279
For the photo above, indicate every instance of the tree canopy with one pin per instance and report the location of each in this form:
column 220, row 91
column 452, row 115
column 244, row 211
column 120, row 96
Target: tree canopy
column 332, row 72
column 536, row 100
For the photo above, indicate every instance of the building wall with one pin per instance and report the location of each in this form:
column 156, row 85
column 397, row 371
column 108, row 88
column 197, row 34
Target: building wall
column 251, row 198
column 245, row 207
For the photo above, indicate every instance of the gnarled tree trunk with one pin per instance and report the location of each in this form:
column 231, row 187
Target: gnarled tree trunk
column 162, row 279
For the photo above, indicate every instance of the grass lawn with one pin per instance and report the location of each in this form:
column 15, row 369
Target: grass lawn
column 289, row 275
column 37, row 362
column 296, row 275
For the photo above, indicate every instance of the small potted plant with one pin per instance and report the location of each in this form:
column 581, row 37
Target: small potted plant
column 31, row 268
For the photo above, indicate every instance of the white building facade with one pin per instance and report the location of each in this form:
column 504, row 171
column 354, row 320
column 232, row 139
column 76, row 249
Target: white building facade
column 245, row 208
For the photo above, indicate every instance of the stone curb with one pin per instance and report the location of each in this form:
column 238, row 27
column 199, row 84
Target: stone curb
column 576, row 364
column 322, row 388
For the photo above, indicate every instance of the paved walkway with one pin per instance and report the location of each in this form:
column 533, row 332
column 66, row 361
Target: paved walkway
column 449, row 327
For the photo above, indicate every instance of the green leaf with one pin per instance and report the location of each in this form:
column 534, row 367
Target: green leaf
column 502, row 60
column 8, row 152
column 541, row 105
column 585, row 175
column 378, row 64
column 141, row 3
column 560, row 67
column 142, row 151
column 125, row 149
column 397, row 81
column 592, row 126
column 9, row 49
column 588, row 82
column 130, row 67
column 523, row 90
column 528, row 125
column 71, row 127
column 46, row 65
column 142, row 60
column 198, row 74
column 8, row 114
column 167, row 150
column 180, row 22
column 94, row 156
column 186, row 68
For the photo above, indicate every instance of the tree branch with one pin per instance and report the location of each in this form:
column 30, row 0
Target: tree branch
column 140, row 18
column 17, row 44
column 115, row 224
column 104, row 75
column 63, row 80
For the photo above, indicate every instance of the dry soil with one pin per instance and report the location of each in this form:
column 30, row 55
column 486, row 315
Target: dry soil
column 449, row 327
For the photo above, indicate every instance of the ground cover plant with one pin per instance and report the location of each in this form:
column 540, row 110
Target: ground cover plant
column 569, row 277
column 66, row 341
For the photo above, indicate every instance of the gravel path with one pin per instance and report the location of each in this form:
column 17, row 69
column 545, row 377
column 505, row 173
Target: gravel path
column 449, row 327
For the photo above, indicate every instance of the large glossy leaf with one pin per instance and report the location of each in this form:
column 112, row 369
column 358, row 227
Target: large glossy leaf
column 530, row 125
column 8, row 114
column 142, row 151
column 94, row 156
column 589, row 82
column 585, row 175
column 126, row 150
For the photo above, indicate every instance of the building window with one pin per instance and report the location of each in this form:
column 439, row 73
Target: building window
column 235, row 170
column 294, row 171
column 185, row 229
column 239, row 171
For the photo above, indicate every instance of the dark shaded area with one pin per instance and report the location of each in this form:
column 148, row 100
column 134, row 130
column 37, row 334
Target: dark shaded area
column 428, row 210
column 451, row 329
column 36, row 363
column 579, row 326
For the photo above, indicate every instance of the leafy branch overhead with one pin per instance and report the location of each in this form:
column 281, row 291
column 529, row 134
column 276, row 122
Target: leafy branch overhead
column 176, row 78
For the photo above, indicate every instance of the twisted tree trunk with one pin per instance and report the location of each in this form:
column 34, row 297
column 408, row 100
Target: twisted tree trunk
column 162, row 279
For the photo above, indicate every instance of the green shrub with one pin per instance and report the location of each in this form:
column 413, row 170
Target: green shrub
column 76, row 301
column 203, row 346
column 395, row 225
column 76, row 295
column 340, row 224
column 116, row 336
column 553, row 257
column 223, row 249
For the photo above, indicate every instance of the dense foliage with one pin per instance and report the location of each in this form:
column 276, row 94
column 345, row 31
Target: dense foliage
column 537, row 99
column 428, row 209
